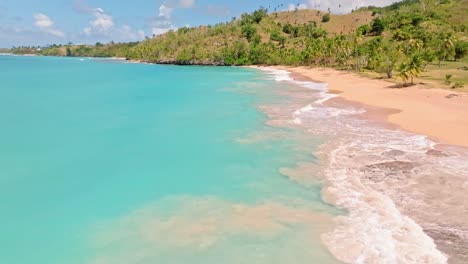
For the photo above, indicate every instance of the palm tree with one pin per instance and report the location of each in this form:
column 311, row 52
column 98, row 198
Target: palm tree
column 357, row 39
column 446, row 47
column 411, row 69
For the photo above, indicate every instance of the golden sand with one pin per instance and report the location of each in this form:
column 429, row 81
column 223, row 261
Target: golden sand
column 438, row 113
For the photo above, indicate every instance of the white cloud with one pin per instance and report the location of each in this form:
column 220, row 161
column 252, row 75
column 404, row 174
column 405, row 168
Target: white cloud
column 126, row 32
column 163, row 23
column 165, row 11
column 162, row 26
column 44, row 23
column 102, row 27
column 101, row 23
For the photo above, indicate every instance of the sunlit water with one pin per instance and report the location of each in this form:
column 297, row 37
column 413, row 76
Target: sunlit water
column 103, row 161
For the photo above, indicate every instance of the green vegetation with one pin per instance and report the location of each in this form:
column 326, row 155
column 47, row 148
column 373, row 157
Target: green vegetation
column 99, row 50
column 458, row 85
column 25, row 50
column 404, row 39
column 326, row 18
column 447, row 79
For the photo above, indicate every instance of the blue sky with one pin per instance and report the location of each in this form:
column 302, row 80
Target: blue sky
column 41, row 22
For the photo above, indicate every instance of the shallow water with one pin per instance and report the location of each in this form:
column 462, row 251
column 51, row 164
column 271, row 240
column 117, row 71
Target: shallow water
column 107, row 162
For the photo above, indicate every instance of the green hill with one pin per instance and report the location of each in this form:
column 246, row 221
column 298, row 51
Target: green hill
column 403, row 38
column 258, row 38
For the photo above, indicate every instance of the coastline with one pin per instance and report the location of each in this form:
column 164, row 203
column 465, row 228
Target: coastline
column 437, row 113
column 404, row 191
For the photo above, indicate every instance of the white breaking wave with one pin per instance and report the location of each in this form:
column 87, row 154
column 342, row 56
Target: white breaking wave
column 285, row 76
column 374, row 231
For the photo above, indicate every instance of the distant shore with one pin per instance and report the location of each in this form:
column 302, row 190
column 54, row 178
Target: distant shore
column 440, row 114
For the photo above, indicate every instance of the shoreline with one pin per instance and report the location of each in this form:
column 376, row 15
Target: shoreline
column 437, row 113
column 377, row 169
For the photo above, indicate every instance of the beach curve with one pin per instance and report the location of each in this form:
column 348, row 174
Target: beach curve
column 385, row 177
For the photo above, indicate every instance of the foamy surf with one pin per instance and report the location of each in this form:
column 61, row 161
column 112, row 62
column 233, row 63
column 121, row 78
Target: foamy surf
column 374, row 231
column 285, row 76
column 357, row 163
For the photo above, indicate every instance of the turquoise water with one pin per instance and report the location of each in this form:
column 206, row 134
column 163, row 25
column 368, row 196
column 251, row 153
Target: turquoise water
column 108, row 162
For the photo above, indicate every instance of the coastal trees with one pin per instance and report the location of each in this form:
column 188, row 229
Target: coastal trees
column 343, row 49
column 259, row 14
column 461, row 49
column 388, row 55
column 256, row 17
column 276, row 36
column 363, row 30
column 377, row 26
column 249, row 31
column 446, row 46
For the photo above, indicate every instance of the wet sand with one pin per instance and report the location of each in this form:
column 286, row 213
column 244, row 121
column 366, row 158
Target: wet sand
column 405, row 192
column 440, row 114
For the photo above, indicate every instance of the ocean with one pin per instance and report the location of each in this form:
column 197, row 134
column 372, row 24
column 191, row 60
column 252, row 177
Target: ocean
column 104, row 161
column 108, row 161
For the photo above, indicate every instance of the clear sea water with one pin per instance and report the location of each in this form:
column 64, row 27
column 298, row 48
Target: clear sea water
column 109, row 162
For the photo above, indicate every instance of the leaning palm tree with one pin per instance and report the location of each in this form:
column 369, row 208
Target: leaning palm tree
column 413, row 68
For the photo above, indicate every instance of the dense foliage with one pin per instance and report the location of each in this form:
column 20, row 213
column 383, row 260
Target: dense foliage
column 121, row 50
column 403, row 37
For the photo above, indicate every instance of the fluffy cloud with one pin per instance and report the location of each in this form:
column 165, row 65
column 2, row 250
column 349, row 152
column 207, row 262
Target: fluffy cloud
column 165, row 11
column 103, row 27
column 161, row 27
column 101, row 23
column 45, row 24
column 126, row 32
column 163, row 22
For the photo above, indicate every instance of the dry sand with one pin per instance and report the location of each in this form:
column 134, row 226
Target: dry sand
column 438, row 113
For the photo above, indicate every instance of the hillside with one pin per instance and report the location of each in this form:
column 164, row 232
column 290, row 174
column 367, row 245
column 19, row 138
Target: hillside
column 343, row 24
column 257, row 38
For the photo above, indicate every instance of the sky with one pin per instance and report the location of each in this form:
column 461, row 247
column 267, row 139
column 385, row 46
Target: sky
column 43, row 22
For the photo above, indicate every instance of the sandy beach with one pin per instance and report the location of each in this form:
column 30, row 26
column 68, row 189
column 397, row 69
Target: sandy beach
column 438, row 113
column 394, row 158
